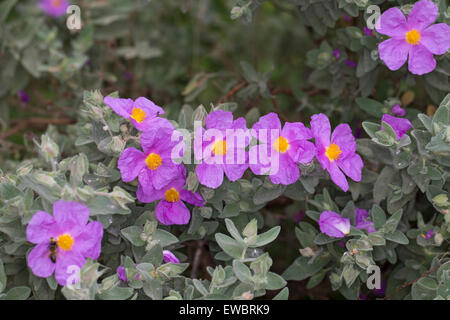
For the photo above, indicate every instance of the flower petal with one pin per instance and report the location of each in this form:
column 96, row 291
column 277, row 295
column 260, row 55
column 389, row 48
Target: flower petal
column 219, row 119
column 287, row 173
column 68, row 265
column 343, row 137
column 321, row 129
column 337, row 176
column 352, row 166
column 39, row 261
column 302, row 151
column 169, row 213
column 333, row 225
column 149, row 195
column 296, row 131
column 421, row 60
column 41, row 228
column 71, row 216
column 89, row 242
column 392, row 23
column 120, row 106
column 130, row 163
column 394, row 52
column 267, row 128
column 422, row 15
column 193, row 198
column 210, row 175
column 436, row 38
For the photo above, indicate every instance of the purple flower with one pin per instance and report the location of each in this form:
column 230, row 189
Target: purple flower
column 368, row 32
column 54, row 8
column 171, row 208
column 429, row 234
column 221, row 149
column 170, row 257
column 337, row 53
column 299, row 216
column 23, row 96
column 350, row 63
column 362, row 222
column 398, row 111
column 142, row 113
column 280, row 149
column 63, row 240
column 154, row 167
column 336, row 154
column 413, row 37
column 382, row 291
column 400, row 125
column 333, row 225
column 121, row 274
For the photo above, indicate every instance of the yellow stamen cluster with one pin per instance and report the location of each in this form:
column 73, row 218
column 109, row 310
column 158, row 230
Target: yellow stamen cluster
column 172, row 195
column 281, row 144
column 220, row 148
column 153, row 161
column 65, row 242
column 413, row 37
column 333, row 152
column 138, row 114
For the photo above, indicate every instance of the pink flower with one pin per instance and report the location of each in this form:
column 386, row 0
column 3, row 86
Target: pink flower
column 338, row 154
column 398, row 111
column 170, row 257
column 153, row 166
column 171, row 208
column 142, row 113
column 333, row 225
column 280, row 150
column 400, row 125
column 413, row 37
column 54, row 8
column 63, row 240
column 222, row 150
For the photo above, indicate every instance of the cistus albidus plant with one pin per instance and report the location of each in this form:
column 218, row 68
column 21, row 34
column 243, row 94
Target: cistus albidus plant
column 323, row 159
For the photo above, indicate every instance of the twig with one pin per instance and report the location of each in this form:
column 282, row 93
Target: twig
column 23, row 124
column 232, row 92
column 198, row 254
column 410, row 283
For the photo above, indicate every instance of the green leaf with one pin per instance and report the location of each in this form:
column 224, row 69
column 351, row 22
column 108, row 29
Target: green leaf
column 424, row 289
column 378, row 216
column 229, row 245
column 165, row 238
column 2, row 277
column 133, row 234
column 18, row 293
column 242, row 272
column 116, row 293
column 267, row 237
column 282, row 295
column 274, row 281
column 372, row 107
column 397, row 236
column 304, row 267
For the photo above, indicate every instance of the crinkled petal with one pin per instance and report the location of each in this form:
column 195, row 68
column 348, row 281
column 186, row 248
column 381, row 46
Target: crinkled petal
column 394, row 52
column 169, row 213
column 210, row 175
column 68, row 265
column 169, row 257
column 422, row 14
column 260, row 159
column 41, row 228
column 149, row 195
column 337, row 176
column 343, row 137
column 333, row 225
column 287, row 173
column 436, row 38
column 193, row 198
column 164, row 174
column 421, row 60
column 321, row 129
column 352, row 166
column 149, row 107
column 89, row 242
column 219, row 119
column 130, row 163
column 70, row 216
column 399, row 125
column 392, row 23
column 39, row 261
column 267, row 128
column 296, row 131
column 302, row 151
column 120, row 106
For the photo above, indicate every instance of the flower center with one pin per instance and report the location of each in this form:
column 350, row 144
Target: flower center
column 333, row 152
column 65, row 242
column 172, row 195
column 413, row 37
column 56, row 3
column 138, row 114
column 153, row 161
column 220, row 148
column 281, row 144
